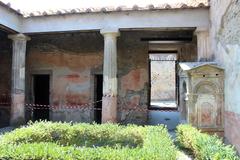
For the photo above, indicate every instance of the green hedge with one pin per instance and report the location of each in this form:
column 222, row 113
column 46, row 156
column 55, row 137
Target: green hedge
column 204, row 146
column 47, row 140
column 78, row 134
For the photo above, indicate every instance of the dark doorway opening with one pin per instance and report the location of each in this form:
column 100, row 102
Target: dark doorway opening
column 98, row 98
column 41, row 96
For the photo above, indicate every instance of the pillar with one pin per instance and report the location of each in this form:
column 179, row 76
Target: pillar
column 203, row 45
column 109, row 100
column 18, row 79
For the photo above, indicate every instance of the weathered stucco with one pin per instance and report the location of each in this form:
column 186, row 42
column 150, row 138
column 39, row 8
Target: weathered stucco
column 203, row 96
column 133, row 78
column 225, row 33
column 133, row 70
column 72, row 61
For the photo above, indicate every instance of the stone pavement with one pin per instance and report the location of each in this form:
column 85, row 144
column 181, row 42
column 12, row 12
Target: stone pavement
column 181, row 154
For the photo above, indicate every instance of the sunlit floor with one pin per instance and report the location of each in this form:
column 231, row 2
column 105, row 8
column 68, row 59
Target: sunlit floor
column 170, row 118
column 168, row 104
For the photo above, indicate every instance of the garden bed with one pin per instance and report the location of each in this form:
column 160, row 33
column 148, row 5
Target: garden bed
column 204, row 146
column 47, row 140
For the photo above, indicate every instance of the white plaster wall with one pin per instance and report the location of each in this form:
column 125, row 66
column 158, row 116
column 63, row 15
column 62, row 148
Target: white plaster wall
column 217, row 10
column 225, row 39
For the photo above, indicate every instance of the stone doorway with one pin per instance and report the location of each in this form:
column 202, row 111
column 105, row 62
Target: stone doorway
column 163, row 80
column 163, row 107
column 98, row 98
column 41, row 88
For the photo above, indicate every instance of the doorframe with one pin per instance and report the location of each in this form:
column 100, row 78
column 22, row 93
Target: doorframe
column 95, row 92
column 176, row 52
column 95, row 71
column 31, row 87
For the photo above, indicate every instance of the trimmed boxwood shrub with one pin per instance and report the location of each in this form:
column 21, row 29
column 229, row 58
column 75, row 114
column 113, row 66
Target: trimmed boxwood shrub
column 78, row 134
column 47, row 140
column 204, row 146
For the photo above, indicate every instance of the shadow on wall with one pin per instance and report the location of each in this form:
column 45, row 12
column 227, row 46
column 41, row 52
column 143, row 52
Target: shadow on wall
column 169, row 118
column 4, row 116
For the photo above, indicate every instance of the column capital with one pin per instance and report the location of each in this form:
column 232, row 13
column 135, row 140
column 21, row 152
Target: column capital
column 110, row 31
column 203, row 44
column 20, row 37
column 201, row 30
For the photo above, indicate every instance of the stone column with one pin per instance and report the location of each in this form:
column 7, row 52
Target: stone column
column 109, row 101
column 203, row 45
column 18, row 79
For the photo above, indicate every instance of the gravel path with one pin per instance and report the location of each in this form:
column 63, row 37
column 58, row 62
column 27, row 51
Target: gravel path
column 181, row 154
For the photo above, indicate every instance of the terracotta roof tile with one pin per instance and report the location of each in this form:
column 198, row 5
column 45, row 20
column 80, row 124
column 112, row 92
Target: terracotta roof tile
column 8, row 6
column 135, row 7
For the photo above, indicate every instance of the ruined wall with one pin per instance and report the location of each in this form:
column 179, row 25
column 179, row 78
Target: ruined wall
column 133, row 72
column 72, row 60
column 133, row 78
column 225, row 33
column 5, row 80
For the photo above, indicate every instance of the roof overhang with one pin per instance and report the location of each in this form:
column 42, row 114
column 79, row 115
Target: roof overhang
column 123, row 20
column 10, row 19
column 144, row 19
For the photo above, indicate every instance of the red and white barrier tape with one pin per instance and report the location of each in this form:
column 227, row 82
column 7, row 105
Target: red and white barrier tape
column 123, row 106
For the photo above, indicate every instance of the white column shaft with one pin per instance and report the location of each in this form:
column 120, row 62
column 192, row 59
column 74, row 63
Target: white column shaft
column 110, row 66
column 109, row 104
column 18, row 79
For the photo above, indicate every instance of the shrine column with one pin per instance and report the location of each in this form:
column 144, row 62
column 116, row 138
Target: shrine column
column 203, row 45
column 19, row 42
column 109, row 100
